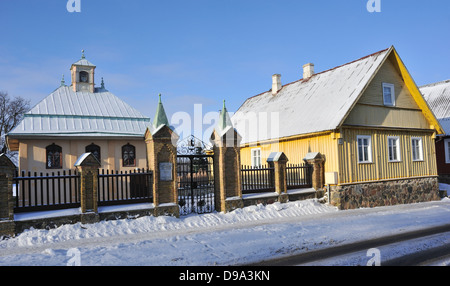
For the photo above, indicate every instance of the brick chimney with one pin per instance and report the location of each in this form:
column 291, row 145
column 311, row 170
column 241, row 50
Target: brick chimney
column 308, row 70
column 276, row 83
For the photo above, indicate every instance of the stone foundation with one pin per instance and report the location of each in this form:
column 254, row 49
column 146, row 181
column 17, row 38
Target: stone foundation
column 385, row 193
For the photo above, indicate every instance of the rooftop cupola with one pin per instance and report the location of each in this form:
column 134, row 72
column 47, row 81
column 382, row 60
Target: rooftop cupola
column 82, row 73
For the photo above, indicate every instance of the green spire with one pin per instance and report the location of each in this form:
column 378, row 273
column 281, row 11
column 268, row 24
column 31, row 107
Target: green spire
column 82, row 54
column 224, row 118
column 160, row 116
column 63, row 82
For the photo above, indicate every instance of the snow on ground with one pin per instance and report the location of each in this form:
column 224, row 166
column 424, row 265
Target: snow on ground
column 243, row 236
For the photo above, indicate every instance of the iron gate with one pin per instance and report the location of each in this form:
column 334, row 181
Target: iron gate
column 195, row 177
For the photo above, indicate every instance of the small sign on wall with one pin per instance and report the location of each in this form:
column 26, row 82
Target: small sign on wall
column 165, row 171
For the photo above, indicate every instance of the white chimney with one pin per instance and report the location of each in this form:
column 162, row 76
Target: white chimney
column 276, row 83
column 308, row 70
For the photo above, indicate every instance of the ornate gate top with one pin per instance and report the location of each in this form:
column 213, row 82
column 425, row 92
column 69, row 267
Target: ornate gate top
column 192, row 146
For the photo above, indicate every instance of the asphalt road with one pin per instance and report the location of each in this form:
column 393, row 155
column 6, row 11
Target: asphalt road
column 419, row 258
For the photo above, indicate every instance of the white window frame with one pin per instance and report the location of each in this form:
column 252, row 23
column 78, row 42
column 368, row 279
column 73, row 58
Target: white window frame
column 392, row 89
column 413, row 151
column 447, row 150
column 256, row 157
column 397, row 150
column 368, row 146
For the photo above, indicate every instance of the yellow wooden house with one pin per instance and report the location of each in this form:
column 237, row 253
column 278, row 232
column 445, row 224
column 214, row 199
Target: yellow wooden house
column 366, row 118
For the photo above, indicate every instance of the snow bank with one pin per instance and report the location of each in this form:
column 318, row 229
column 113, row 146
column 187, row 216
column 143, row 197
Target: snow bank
column 243, row 236
column 151, row 224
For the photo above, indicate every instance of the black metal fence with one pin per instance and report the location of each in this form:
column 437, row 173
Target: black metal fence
column 41, row 192
column 298, row 176
column 262, row 179
column 257, row 179
column 61, row 189
column 125, row 187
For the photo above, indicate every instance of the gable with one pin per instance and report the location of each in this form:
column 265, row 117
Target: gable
column 370, row 109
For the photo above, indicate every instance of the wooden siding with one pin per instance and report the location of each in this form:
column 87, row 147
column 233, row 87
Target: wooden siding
column 296, row 149
column 380, row 168
column 371, row 111
column 443, row 167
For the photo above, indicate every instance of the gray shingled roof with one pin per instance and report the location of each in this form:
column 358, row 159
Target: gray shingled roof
column 68, row 113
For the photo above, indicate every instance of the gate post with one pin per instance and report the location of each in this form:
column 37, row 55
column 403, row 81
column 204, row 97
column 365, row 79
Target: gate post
column 88, row 166
column 278, row 161
column 318, row 174
column 227, row 165
column 161, row 142
column 7, row 225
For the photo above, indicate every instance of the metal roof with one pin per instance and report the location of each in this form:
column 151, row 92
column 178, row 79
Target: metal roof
column 68, row 113
column 315, row 104
column 438, row 97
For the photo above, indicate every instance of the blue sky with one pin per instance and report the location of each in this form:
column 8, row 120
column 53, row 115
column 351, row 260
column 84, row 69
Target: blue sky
column 202, row 52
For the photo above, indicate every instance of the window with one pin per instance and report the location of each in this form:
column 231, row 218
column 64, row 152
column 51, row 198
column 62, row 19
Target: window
column 128, row 155
column 84, row 76
column 447, row 150
column 388, row 94
column 54, row 156
column 394, row 149
column 94, row 149
column 256, row 158
column 364, row 149
column 417, row 151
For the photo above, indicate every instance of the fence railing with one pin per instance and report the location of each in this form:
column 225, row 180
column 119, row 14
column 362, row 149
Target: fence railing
column 257, row 179
column 61, row 189
column 125, row 187
column 298, row 176
column 41, row 192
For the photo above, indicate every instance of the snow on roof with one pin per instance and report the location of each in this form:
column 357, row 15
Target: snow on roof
column 315, row 104
column 438, row 97
column 65, row 112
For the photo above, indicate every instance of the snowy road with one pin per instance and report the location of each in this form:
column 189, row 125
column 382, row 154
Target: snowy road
column 240, row 237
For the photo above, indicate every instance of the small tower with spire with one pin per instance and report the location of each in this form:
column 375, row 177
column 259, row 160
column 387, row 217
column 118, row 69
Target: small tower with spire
column 227, row 163
column 161, row 141
column 82, row 73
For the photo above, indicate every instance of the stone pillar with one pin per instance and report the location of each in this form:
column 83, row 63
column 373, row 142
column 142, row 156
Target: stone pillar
column 318, row 175
column 88, row 165
column 162, row 160
column 7, row 168
column 278, row 161
column 227, row 170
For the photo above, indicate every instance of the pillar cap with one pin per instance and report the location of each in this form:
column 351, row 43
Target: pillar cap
column 313, row 156
column 277, row 157
column 87, row 159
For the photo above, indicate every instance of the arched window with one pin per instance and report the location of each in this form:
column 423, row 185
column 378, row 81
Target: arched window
column 95, row 150
column 54, row 157
column 84, row 76
column 128, row 155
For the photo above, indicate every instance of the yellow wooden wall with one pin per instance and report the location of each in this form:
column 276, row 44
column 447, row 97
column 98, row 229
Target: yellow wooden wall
column 380, row 169
column 296, row 149
column 370, row 109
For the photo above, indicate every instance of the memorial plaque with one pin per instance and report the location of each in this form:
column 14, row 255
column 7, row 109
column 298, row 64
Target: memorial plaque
column 165, row 171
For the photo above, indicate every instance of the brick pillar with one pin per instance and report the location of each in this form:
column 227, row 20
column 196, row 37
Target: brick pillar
column 88, row 167
column 227, row 170
column 318, row 175
column 162, row 160
column 7, row 169
column 278, row 161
